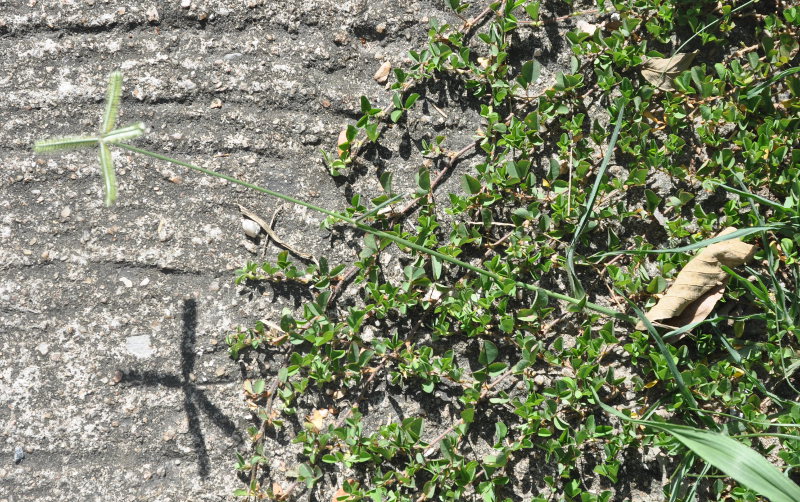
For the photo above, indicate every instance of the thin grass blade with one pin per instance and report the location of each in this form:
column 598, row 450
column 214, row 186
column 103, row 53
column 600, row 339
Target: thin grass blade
column 755, row 91
column 676, row 374
column 113, row 94
column 66, row 143
column 742, row 232
column 757, row 198
column 731, row 457
column 108, row 174
column 575, row 284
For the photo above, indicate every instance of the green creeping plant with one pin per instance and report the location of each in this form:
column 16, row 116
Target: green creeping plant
column 108, row 135
column 117, row 137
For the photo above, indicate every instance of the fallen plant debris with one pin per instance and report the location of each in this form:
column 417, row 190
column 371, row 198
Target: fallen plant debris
column 513, row 376
column 700, row 284
column 662, row 71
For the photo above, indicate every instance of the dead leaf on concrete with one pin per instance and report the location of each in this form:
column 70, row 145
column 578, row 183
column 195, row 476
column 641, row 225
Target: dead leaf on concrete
column 382, row 75
column 316, row 421
column 700, row 284
column 661, row 71
column 342, row 141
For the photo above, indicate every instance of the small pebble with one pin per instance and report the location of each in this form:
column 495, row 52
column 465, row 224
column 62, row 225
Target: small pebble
column 152, row 14
column 66, row 212
column 251, row 228
column 19, row 454
column 186, row 4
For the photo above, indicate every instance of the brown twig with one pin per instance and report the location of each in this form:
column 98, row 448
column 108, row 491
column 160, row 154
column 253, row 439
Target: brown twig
column 267, row 227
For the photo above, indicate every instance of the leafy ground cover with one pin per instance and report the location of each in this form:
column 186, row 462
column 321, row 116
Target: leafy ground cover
column 512, row 310
column 694, row 105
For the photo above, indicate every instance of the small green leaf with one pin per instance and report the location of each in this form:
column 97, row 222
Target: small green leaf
column 386, row 181
column 652, row 199
column 372, row 131
column 411, row 99
column 471, row 184
column 488, row 353
column 395, row 115
column 423, row 179
column 533, row 10
column 436, row 267
column 398, row 103
column 366, row 106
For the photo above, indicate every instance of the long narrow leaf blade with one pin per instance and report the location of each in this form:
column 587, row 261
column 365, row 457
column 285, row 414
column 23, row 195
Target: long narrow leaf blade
column 66, row 143
column 574, row 282
column 108, row 174
column 736, row 460
column 742, row 232
column 757, row 198
column 113, row 94
column 755, row 91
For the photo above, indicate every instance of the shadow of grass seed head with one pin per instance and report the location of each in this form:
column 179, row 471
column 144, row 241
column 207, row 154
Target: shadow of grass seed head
column 108, row 135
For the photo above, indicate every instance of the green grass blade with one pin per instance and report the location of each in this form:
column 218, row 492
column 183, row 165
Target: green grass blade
column 575, row 284
column 757, row 198
column 385, row 235
column 731, row 457
column 742, row 232
column 755, row 91
column 66, row 143
column 676, row 374
column 377, row 208
column 113, row 94
column 124, row 133
column 107, row 172
column 736, row 460
column 709, row 25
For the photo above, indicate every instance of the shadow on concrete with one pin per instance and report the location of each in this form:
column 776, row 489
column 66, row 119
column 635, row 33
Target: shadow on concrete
column 194, row 399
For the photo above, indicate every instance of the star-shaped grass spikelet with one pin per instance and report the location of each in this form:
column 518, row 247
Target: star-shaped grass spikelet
column 108, row 135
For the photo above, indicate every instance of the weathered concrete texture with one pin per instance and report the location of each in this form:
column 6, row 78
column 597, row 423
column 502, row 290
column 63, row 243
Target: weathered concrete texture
column 115, row 380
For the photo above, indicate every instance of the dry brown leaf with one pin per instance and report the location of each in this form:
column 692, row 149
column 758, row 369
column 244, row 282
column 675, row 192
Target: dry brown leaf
column 661, row 71
column 317, row 419
column 340, row 495
column 277, row 491
column 341, row 141
column 343, row 496
column 382, row 75
column 700, row 284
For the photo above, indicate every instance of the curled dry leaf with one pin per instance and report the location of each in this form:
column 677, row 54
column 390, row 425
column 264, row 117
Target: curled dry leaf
column 382, row 75
column 316, row 421
column 277, row 491
column 661, row 71
column 700, row 284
